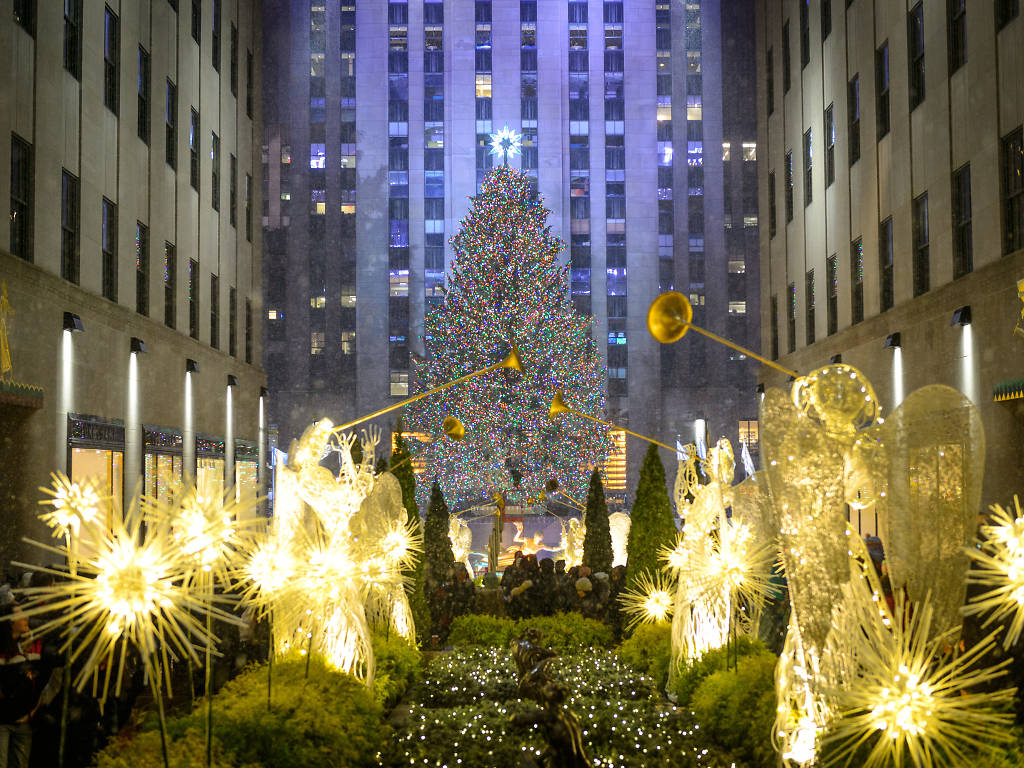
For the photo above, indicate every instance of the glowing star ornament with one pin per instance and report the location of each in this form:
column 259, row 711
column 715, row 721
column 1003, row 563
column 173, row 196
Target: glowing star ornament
column 71, row 504
column 506, row 144
column 999, row 567
column 649, row 602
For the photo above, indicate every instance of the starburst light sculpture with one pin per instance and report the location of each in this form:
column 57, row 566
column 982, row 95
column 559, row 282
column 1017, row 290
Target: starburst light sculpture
column 650, row 601
column 72, row 503
column 506, row 144
column 999, row 566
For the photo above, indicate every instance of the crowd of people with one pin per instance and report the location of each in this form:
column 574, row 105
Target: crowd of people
column 529, row 586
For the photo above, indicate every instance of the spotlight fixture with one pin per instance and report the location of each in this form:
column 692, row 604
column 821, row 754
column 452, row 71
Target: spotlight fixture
column 892, row 341
column 263, row 391
column 191, row 366
column 836, row 359
column 73, row 322
column 138, row 346
column 232, row 380
column 962, row 316
column 760, row 388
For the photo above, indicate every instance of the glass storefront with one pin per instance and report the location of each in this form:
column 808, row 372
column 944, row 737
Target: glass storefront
column 96, row 453
column 210, row 467
column 162, row 466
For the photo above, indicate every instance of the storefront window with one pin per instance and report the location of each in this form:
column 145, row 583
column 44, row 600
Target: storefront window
column 163, row 476
column 104, row 468
column 246, row 480
column 210, row 477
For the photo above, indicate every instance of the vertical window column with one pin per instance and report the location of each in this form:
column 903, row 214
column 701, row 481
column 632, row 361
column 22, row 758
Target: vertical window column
column 170, row 284
column 922, row 280
column 695, row 172
column 615, row 197
column 579, row 163
column 832, row 278
column 108, row 244
column 141, row 268
column 316, row 229
column 666, row 159
column 347, row 315
column 69, row 218
column 398, row 198
column 529, row 162
column 885, row 266
column 433, row 151
column 484, row 81
column 21, row 198
column 856, row 281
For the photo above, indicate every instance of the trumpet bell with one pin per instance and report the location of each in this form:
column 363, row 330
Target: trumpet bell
column 669, row 317
column 557, row 405
column 512, row 361
column 453, row 428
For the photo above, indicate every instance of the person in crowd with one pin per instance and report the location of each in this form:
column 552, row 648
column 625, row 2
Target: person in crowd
column 512, row 576
column 463, row 592
column 613, row 614
column 602, row 594
column 586, row 602
column 546, row 589
column 490, row 599
column 28, row 682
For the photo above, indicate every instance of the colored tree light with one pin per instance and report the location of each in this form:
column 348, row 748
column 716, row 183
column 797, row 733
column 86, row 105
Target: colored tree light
column 508, row 290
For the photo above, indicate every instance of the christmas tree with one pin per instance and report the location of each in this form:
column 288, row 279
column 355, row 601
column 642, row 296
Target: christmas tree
column 597, row 542
column 507, row 290
column 653, row 526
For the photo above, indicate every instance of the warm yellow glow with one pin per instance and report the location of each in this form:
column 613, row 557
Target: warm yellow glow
column 571, row 544
column 72, row 504
column 999, row 566
column 649, row 601
column 614, row 466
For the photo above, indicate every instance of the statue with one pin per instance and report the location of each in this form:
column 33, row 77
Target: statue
column 560, row 726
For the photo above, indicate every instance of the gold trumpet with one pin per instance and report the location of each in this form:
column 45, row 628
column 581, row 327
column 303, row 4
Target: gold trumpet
column 511, row 361
column 559, row 406
column 671, row 316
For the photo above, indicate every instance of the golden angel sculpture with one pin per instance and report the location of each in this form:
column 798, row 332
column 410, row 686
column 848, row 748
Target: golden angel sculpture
column 573, row 533
column 461, row 538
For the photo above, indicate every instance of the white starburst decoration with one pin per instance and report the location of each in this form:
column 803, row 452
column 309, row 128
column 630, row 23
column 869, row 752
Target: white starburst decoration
column 999, row 566
column 506, row 143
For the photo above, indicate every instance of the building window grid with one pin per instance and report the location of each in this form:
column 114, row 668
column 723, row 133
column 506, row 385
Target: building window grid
column 1006, row 11
column 144, row 99
column 769, row 69
column 398, row 197
column 921, row 239
column 832, row 306
column 141, row 268
column 956, row 27
column 809, row 306
column 882, row 89
column 788, row 182
column 25, row 15
column 197, row 20
column 886, row 278
column 785, row 58
column 1012, row 183
column 111, row 59
column 808, row 168
column 773, row 321
column 233, row 189
column 234, row 61
column 193, row 148
column 791, row 317
column 214, row 311
column 805, row 33
column 856, row 281
column 853, row 111
column 248, row 331
column 771, row 204
column 108, row 247
column 915, row 54
column 215, row 171
column 171, row 125
column 21, row 198
column 73, row 37
column 249, row 74
column 170, row 284
column 233, row 321
column 70, row 216
column 963, row 244
column 248, row 207
column 830, row 146
column 826, row 19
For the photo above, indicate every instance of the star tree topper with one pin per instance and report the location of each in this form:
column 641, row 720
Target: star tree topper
column 506, row 143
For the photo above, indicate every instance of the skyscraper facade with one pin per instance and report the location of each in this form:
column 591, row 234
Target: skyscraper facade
column 890, row 134
column 378, row 121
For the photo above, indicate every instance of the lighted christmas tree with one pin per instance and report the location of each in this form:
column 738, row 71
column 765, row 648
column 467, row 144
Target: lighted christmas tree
column 508, row 290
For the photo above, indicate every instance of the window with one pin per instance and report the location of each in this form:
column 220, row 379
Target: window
column 73, row 37
column 832, row 308
column 920, row 226
column 882, row 89
column 853, row 110
column 808, row 188
column 791, row 317
column 915, row 54
column 25, row 15
column 830, row 146
column 774, row 323
column 171, row 126
column 144, row 94
column 769, row 76
column 809, row 306
column 170, row 284
column 248, row 331
column 785, row 57
column 805, row 33
column 788, row 181
column 1012, row 162
column 197, row 19
column 963, row 246
column 856, row 281
column 771, row 204
column 956, row 27
column 826, row 19
column 215, row 36
column 1006, row 11
column 248, row 83
column 111, row 60
column 69, row 217
column 141, row 268
column 885, row 266
column 21, row 198
column 233, row 190
column 215, row 171
column 234, row 61
column 108, row 244
column 232, row 322
column 248, row 207
column 214, row 311
column 193, row 149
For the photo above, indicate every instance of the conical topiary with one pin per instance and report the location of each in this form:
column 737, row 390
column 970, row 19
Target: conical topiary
column 597, row 542
column 437, row 547
column 415, row 585
column 653, row 526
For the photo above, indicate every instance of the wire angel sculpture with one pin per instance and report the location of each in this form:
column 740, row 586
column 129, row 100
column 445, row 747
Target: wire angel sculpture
column 571, row 542
column 461, row 538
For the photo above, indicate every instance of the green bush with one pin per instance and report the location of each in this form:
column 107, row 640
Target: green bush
column 563, row 632
column 142, row 750
column 690, row 676
column 329, row 719
column 650, row 650
column 736, row 709
column 398, row 667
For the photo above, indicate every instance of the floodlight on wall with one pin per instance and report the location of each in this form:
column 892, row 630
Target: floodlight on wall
column 760, row 388
column 962, row 316
column 836, row 359
column 138, row 346
column 73, row 322
column 191, row 366
column 232, row 380
column 263, row 391
column 892, row 341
